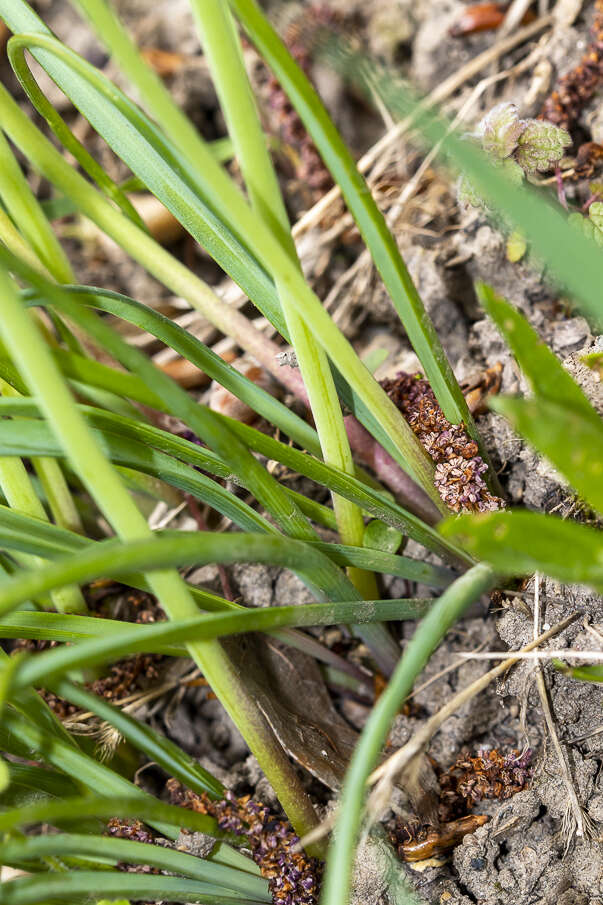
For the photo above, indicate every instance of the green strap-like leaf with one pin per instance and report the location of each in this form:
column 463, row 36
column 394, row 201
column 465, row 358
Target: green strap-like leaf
column 113, row 636
column 428, row 635
column 195, row 351
column 518, row 543
column 368, row 217
column 572, row 441
column 130, row 852
column 376, row 503
column 547, row 376
column 102, row 101
column 35, row 438
column 78, row 884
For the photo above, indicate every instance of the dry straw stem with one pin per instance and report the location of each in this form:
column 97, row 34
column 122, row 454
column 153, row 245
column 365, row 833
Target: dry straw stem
column 400, row 764
column 574, row 819
column 525, row 654
column 439, row 94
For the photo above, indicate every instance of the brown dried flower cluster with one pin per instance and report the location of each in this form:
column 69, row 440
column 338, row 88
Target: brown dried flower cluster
column 127, row 675
column 136, row 831
column 576, row 87
column 129, row 829
column 490, row 774
column 293, row 877
column 459, row 468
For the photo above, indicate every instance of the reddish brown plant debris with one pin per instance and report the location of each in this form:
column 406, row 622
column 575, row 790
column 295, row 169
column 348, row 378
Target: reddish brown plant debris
column 483, row 17
column 427, row 842
column 293, row 877
column 129, row 829
column 479, row 389
column 589, row 160
column 164, row 62
column 459, row 469
column 136, row 831
column 576, row 87
column 488, row 775
column 127, row 675
column 300, row 37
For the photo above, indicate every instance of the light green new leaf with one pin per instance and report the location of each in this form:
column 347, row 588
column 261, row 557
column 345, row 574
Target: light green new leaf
column 547, row 377
column 519, row 543
column 571, row 441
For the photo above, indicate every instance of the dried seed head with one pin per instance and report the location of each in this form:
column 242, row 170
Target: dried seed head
column 294, row 878
column 577, row 87
column 459, row 469
column 541, row 145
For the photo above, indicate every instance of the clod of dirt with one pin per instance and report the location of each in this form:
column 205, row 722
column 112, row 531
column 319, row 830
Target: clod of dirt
column 520, row 857
column 377, row 877
column 436, row 54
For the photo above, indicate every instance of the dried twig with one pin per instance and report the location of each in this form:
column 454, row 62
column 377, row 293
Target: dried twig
column 401, row 760
column 439, row 94
column 596, row 655
column 574, row 818
column 400, row 763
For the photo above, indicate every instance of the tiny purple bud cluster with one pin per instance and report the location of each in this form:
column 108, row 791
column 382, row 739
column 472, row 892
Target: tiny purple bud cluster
column 459, row 469
column 293, row 877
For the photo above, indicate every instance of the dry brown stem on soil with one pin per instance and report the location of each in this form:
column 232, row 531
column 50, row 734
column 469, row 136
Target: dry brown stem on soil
column 400, row 764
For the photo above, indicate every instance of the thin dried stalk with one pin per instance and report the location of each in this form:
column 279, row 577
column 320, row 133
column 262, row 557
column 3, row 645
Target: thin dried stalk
column 401, row 761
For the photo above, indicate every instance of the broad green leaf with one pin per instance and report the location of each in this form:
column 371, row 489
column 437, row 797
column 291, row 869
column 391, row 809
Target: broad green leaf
column 519, row 542
column 569, row 439
column 547, row 376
